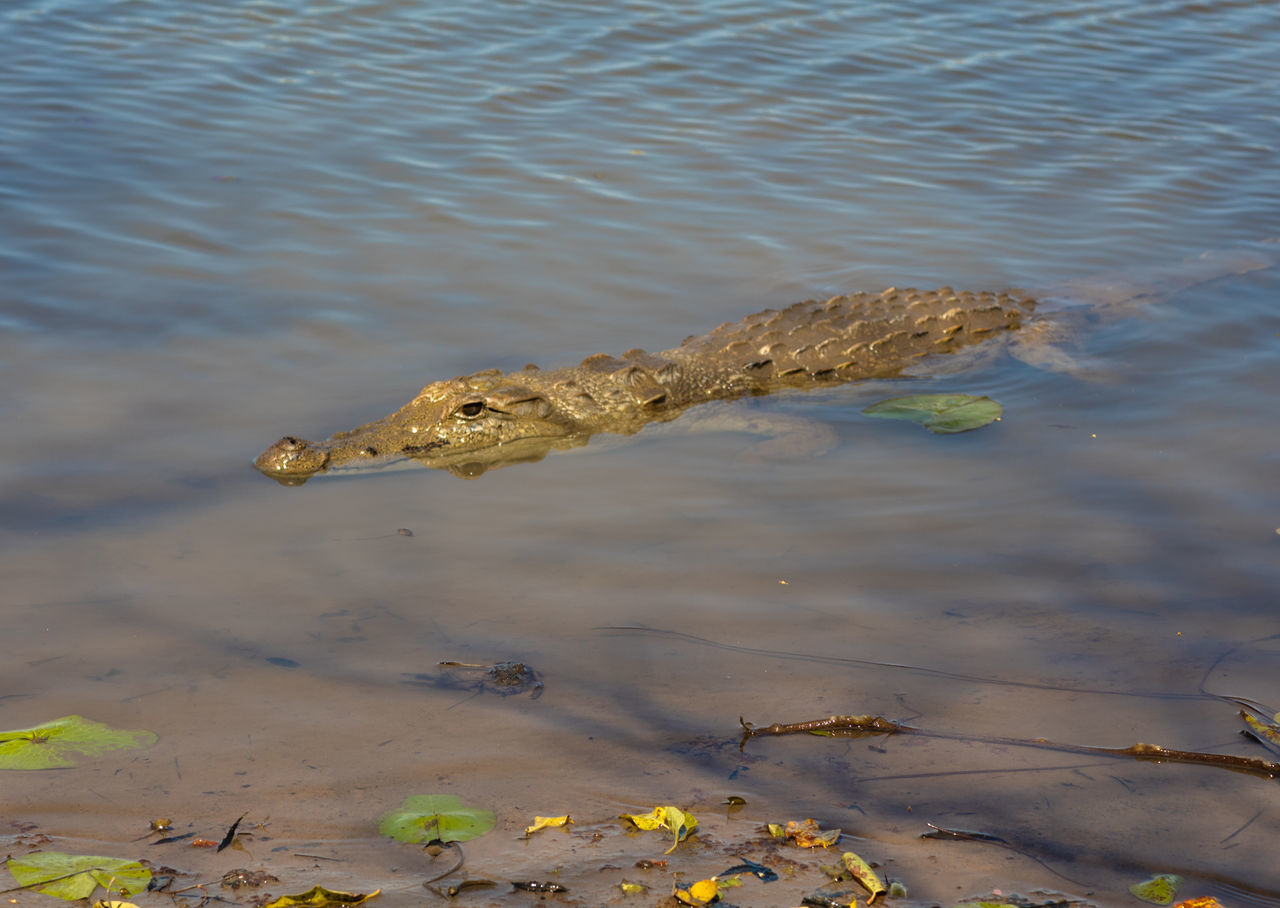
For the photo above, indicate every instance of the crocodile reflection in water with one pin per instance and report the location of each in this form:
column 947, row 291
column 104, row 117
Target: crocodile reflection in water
column 478, row 422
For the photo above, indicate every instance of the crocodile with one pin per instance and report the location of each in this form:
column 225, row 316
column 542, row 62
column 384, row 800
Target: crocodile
column 478, row 422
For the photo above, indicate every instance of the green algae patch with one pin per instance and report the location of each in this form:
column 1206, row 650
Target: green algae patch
column 942, row 414
column 76, row 876
column 435, row 818
column 55, row 744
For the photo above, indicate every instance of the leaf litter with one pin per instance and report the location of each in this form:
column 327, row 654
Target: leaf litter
column 443, row 820
column 430, row 814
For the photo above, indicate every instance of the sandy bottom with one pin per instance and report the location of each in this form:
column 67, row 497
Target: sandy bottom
column 1083, row 571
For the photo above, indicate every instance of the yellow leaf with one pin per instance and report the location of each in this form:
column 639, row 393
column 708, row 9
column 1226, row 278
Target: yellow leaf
column 1268, row 733
column 647, row 821
column 632, row 888
column 680, row 823
column 1204, row 901
column 319, row 897
column 777, row 831
column 704, row 890
column 863, row 873
column 546, row 822
column 808, row 835
column 103, row 903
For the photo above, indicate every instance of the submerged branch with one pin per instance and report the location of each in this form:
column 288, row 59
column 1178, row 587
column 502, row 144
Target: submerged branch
column 855, row 726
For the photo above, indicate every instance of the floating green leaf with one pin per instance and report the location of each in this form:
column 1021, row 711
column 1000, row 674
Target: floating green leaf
column 53, row 744
column 1159, row 890
column 943, row 414
column 76, row 876
column 428, row 818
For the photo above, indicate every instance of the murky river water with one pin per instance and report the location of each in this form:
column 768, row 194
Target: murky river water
column 222, row 223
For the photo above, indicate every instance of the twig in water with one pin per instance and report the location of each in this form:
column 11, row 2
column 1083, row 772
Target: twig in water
column 853, row 726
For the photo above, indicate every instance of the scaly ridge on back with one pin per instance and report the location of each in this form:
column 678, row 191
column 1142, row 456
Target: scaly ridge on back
column 849, row 338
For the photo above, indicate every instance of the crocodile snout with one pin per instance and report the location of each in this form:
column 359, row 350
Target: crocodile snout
column 292, row 458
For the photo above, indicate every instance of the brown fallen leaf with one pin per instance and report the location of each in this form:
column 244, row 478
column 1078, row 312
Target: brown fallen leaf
column 808, row 835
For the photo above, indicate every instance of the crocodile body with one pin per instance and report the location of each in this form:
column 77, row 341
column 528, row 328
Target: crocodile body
column 490, row 419
column 477, row 422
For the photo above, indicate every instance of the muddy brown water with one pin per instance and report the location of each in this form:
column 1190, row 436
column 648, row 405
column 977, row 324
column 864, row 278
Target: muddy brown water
column 227, row 224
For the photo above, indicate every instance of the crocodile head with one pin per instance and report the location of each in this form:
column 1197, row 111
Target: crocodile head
column 477, row 417
column 459, row 425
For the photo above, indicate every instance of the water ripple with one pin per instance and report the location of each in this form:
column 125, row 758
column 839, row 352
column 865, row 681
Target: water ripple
column 179, row 144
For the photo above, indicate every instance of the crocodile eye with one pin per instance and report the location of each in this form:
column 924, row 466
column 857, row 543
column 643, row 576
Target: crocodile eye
column 470, row 410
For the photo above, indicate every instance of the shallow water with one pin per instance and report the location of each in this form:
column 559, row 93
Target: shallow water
column 223, row 224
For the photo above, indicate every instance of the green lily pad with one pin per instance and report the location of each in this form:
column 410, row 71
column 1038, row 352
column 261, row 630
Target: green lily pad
column 76, row 876
column 943, row 414
column 428, row 818
column 53, row 744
